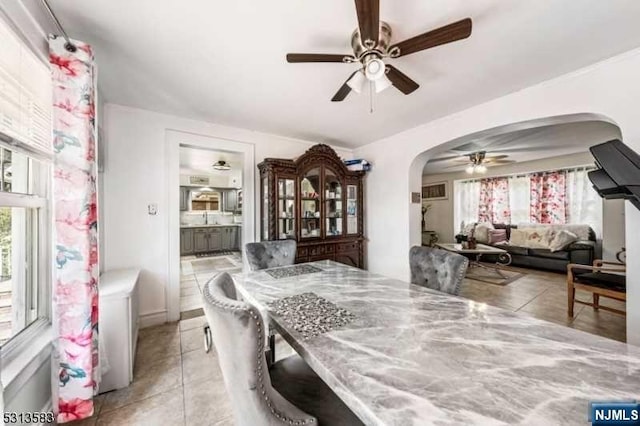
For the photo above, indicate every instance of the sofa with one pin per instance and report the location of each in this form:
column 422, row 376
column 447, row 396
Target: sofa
column 583, row 251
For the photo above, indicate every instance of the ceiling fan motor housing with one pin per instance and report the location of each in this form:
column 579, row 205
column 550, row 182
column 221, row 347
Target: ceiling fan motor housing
column 380, row 49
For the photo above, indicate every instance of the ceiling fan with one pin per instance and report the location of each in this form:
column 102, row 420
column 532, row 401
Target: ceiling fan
column 477, row 162
column 371, row 43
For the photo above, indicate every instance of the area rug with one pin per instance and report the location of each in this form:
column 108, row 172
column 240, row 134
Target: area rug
column 488, row 275
column 211, row 264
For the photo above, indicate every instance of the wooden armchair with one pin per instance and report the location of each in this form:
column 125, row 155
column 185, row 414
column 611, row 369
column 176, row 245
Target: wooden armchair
column 606, row 279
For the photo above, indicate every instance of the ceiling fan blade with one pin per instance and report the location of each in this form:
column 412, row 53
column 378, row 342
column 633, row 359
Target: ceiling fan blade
column 493, row 158
column 447, row 158
column 343, row 91
column 400, row 80
column 368, row 21
column 443, row 35
column 293, row 58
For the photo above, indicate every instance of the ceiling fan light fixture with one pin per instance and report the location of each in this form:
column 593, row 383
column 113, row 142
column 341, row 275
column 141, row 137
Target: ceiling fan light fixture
column 221, row 165
column 481, row 168
column 470, row 169
column 374, row 69
column 357, row 82
column 382, row 84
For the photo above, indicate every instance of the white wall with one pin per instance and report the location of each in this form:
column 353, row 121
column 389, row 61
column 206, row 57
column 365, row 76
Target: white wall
column 135, row 176
column 610, row 88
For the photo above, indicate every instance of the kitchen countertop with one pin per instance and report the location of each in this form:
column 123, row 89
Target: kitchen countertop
column 211, row 226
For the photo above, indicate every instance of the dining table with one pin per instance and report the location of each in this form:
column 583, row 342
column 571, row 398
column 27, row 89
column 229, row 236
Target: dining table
column 402, row 354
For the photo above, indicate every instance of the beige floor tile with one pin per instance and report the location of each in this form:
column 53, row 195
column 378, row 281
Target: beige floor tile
column 199, row 365
column 191, row 340
column 206, row 403
column 189, row 283
column 197, row 322
column 163, row 409
column 160, row 376
column 189, row 291
column 543, row 295
column 158, row 342
column 188, row 303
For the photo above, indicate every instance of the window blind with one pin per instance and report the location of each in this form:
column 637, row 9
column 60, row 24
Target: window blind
column 25, row 94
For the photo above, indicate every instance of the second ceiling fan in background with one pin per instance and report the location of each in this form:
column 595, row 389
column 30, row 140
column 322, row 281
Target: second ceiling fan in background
column 371, row 43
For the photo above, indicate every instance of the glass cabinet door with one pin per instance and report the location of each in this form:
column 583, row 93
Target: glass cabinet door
column 286, row 209
column 310, row 204
column 333, row 204
column 352, row 209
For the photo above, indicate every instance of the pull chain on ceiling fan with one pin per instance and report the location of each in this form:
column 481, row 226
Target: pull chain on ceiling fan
column 371, row 43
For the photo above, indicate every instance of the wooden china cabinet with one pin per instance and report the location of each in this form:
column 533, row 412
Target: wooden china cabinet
column 316, row 201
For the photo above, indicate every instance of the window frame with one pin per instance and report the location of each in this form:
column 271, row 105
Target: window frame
column 17, row 344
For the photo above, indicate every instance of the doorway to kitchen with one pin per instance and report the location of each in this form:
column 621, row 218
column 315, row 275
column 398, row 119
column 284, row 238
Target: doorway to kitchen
column 211, row 214
column 211, row 201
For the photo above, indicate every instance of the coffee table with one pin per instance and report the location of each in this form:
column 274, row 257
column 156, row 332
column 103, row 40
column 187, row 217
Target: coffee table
column 504, row 257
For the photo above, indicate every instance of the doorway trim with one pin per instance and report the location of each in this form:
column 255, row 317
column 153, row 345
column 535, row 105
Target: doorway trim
column 174, row 139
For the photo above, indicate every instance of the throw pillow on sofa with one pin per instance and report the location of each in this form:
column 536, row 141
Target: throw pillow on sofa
column 497, row 236
column 530, row 238
column 561, row 240
column 482, row 232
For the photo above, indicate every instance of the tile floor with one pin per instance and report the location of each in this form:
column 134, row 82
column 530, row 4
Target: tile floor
column 177, row 383
column 195, row 271
column 544, row 295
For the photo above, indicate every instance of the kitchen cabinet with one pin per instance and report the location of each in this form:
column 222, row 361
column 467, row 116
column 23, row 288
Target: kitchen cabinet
column 184, row 199
column 186, row 242
column 209, row 239
column 230, row 201
column 229, row 238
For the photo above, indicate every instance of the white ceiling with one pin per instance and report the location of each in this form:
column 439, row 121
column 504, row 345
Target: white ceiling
column 526, row 145
column 200, row 161
column 224, row 61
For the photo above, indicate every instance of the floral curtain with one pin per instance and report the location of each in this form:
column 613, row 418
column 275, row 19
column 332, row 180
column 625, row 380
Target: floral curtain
column 75, row 292
column 494, row 201
column 548, row 198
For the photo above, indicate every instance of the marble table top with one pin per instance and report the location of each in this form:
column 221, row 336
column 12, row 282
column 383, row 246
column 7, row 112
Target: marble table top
column 413, row 356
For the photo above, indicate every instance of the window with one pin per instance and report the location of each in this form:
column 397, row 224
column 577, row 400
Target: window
column 25, row 159
column 23, row 272
column 564, row 196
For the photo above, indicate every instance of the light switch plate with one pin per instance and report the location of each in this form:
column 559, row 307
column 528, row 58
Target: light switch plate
column 153, row 209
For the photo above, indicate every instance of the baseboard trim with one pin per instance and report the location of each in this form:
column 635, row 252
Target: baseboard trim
column 153, row 318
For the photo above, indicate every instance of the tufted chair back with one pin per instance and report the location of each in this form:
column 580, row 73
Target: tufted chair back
column 437, row 269
column 270, row 254
column 237, row 330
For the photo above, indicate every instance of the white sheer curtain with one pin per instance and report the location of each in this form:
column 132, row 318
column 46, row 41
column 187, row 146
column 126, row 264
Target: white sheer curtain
column 466, row 202
column 519, row 198
column 584, row 206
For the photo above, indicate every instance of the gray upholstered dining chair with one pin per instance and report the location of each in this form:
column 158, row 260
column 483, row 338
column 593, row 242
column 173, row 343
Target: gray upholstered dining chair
column 258, row 398
column 270, row 254
column 437, row 269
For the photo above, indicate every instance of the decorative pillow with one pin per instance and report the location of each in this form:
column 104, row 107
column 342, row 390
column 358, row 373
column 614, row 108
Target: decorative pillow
column 581, row 231
column 561, row 240
column 497, row 236
column 530, row 238
column 482, row 232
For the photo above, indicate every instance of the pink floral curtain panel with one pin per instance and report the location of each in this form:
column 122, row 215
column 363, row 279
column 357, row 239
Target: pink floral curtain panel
column 75, row 292
column 548, row 198
column 494, row 201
